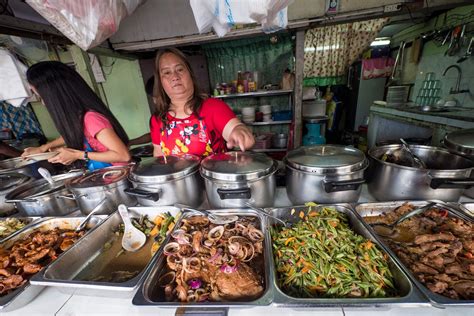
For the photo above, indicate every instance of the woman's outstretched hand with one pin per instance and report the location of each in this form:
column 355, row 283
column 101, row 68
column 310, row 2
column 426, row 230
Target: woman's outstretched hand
column 242, row 137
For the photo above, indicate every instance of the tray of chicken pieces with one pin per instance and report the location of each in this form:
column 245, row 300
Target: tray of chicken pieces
column 216, row 260
column 24, row 254
column 435, row 247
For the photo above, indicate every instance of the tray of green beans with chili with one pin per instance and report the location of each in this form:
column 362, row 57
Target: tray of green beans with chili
column 327, row 257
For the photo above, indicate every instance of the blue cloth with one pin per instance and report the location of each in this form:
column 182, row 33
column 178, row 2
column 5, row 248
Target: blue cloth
column 19, row 120
column 93, row 164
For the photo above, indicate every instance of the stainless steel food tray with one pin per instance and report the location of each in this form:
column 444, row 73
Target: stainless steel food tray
column 61, row 273
column 26, row 293
column 409, row 295
column 28, row 220
column 144, row 297
column 373, row 209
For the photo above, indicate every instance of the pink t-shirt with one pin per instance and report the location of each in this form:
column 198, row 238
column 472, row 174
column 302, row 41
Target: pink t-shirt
column 93, row 123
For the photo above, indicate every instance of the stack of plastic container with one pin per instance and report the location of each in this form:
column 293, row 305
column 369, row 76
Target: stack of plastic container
column 430, row 90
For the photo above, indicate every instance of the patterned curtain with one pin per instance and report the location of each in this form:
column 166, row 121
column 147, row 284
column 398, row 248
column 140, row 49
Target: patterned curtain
column 329, row 50
column 19, row 120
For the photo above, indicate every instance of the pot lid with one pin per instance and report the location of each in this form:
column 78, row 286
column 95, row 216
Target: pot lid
column 461, row 142
column 14, row 163
column 326, row 159
column 104, row 177
column 159, row 169
column 237, row 166
column 10, row 180
column 41, row 187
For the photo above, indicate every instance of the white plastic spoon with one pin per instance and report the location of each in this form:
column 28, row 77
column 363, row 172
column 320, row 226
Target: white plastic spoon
column 133, row 239
column 46, row 175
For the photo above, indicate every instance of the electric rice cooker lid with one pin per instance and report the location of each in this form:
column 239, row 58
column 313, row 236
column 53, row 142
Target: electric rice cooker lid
column 41, row 187
column 237, row 166
column 161, row 169
column 102, row 178
column 461, row 142
column 327, row 159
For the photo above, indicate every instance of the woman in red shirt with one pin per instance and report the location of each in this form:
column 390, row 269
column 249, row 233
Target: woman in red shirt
column 187, row 122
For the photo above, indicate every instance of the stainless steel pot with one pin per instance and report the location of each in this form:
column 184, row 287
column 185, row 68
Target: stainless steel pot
column 109, row 183
column 233, row 179
column 462, row 143
column 28, row 167
column 324, row 174
column 8, row 182
column 160, row 181
column 39, row 198
column 445, row 179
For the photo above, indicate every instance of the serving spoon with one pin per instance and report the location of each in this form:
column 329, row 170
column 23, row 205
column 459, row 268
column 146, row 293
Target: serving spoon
column 133, row 239
column 418, row 162
column 403, row 218
column 214, row 218
column 83, row 224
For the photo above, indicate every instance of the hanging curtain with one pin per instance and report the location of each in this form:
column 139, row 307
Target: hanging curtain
column 269, row 55
column 331, row 49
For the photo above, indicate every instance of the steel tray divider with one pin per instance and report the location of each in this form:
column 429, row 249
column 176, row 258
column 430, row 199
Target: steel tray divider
column 27, row 292
column 141, row 299
column 435, row 300
column 281, row 299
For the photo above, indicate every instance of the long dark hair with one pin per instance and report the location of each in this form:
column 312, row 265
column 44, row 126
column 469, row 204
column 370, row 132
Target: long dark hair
column 68, row 97
column 162, row 104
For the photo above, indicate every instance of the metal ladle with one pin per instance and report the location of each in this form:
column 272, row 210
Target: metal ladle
column 214, row 218
column 420, row 163
column 83, row 224
column 46, row 175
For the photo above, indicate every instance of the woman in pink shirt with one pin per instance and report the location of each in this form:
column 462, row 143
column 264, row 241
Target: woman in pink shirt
column 87, row 127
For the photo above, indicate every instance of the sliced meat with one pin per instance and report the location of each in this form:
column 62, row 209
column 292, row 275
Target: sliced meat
column 433, row 245
column 31, row 268
column 37, row 255
column 10, row 283
column 5, row 273
column 243, row 284
column 468, row 244
column 420, row 239
column 437, row 262
column 423, row 268
column 437, row 287
column 437, row 252
column 454, row 269
column 465, row 289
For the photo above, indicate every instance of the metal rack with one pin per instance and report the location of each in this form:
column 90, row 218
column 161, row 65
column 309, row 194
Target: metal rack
column 261, row 93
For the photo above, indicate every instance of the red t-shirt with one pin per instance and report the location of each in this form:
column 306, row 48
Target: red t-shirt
column 93, row 123
column 200, row 136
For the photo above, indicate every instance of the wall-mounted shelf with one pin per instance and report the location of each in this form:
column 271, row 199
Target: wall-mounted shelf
column 269, row 150
column 268, row 123
column 260, row 93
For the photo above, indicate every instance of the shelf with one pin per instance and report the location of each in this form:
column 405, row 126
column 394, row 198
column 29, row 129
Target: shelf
column 268, row 123
column 269, row 150
column 261, row 93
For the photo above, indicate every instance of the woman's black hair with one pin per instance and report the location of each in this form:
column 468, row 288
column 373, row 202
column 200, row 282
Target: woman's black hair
column 67, row 98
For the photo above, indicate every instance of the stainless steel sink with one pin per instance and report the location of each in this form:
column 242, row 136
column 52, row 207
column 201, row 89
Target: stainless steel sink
column 436, row 109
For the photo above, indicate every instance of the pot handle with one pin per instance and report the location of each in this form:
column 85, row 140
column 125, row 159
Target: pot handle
column 346, row 185
column 21, row 200
column 154, row 196
column 67, row 197
column 450, row 183
column 226, row 194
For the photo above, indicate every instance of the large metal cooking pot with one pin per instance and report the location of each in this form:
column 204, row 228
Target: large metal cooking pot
column 462, row 143
column 106, row 183
column 233, row 179
column 28, row 167
column 8, row 182
column 160, row 181
column 39, row 198
column 324, row 174
column 445, row 179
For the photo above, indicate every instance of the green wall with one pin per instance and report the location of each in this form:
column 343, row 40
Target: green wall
column 125, row 93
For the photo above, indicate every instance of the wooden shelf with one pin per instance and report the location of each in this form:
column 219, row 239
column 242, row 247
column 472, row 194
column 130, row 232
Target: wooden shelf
column 260, row 93
column 268, row 123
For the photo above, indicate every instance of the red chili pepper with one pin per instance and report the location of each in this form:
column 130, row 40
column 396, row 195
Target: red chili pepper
column 444, row 213
column 469, row 255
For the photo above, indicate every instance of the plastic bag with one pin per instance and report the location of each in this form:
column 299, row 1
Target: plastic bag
column 85, row 22
column 13, row 85
column 222, row 15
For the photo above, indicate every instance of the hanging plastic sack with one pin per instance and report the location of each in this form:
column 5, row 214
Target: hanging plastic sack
column 222, row 15
column 13, row 85
column 87, row 23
